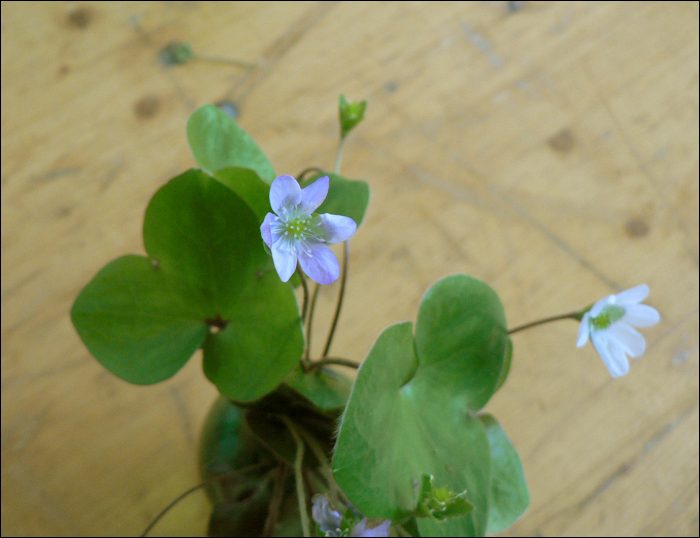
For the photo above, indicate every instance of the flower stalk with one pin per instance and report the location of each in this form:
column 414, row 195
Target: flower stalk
column 572, row 315
column 298, row 475
column 339, row 304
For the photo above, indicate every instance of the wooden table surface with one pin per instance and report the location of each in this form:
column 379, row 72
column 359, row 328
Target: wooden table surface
column 550, row 149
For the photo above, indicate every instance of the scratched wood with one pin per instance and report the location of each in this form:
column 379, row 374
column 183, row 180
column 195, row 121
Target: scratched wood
column 550, row 149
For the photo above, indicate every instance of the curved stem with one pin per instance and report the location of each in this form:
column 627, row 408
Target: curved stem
column 308, row 324
column 331, row 360
column 306, row 294
column 244, row 470
column 298, row 475
column 303, row 173
column 326, row 469
column 227, row 61
column 571, row 315
column 339, row 156
column 341, row 293
column 273, row 512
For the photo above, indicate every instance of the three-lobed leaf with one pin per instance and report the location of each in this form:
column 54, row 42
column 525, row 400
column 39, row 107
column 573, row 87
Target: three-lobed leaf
column 143, row 318
column 132, row 319
column 411, row 411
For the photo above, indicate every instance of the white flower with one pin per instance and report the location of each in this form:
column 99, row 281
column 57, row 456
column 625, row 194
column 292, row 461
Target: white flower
column 294, row 231
column 610, row 323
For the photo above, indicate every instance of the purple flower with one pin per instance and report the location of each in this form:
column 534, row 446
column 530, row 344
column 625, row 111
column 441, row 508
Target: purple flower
column 294, row 231
column 329, row 521
column 361, row 529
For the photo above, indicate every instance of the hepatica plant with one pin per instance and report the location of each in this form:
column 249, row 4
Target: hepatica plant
column 293, row 447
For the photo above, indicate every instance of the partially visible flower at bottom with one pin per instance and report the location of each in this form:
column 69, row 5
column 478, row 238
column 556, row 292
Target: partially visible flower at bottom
column 610, row 323
column 361, row 529
column 330, row 521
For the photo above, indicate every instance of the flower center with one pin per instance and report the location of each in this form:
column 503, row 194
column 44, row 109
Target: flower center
column 607, row 317
column 298, row 228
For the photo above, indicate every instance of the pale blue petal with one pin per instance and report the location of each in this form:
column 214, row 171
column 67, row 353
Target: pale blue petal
column 583, row 331
column 613, row 356
column 337, row 228
column 319, row 263
column 285, row 259
column 314, row 195
column 633, row 295
column 598, row 307
column 640, row 315
column 284, row 192
column 265, row 230
column 380, row 530
column 627, row 338
column 328, row 519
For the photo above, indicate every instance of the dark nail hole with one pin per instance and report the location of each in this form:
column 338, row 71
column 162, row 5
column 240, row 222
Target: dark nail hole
column 216, row 324
column 515, row 6
column 563, row 141
column 636, row 228
column 147, row 106
column 79, row 17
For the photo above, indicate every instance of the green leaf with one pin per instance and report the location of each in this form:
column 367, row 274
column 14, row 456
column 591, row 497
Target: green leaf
column 262, row 342
column 350, row 115
column 410, row 411
column 218, row 142
column 248, row 185
column 509, row 495
column 325, row 388
column 461, row 337
column 506, row 365
column 144, row 318
column 347, row 197
column 134, row 322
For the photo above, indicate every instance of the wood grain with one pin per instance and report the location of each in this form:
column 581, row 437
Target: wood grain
column 550, row 149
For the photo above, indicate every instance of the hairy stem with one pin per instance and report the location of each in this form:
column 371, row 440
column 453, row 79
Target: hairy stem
column 273, row 512
column 306, row 294
column 312, row 169
column 326, row 469
column 339, row 156
column 571, row 315
column 298, row 476
column 309, row 322
column 227, row 61
column 333, row 360
column 208, row 481
column 339, row 304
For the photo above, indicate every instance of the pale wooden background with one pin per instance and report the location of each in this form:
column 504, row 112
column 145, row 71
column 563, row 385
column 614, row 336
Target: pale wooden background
column 550, row 149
